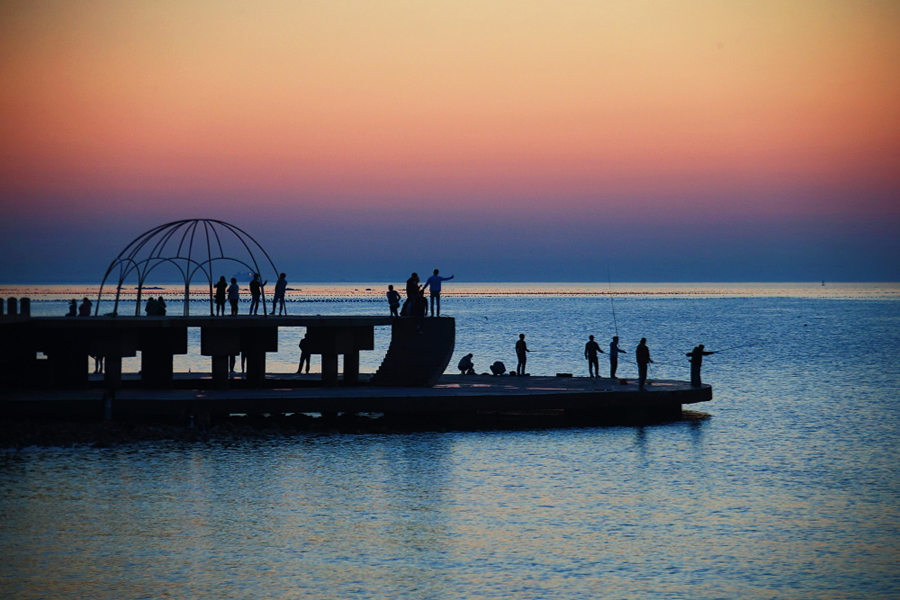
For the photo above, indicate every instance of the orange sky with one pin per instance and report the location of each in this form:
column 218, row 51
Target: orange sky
column 384, row 104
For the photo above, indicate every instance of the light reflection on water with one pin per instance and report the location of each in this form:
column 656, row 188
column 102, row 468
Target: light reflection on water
column 789, row 490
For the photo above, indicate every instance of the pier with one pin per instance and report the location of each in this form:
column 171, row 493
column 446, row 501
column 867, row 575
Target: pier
column 418, row 354
column 410, row 381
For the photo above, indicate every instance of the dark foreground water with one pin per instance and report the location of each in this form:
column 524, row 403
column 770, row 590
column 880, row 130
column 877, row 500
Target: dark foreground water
column 789, row 489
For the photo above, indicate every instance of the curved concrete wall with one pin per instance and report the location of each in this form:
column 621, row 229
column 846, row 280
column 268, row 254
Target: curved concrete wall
column 419, row 352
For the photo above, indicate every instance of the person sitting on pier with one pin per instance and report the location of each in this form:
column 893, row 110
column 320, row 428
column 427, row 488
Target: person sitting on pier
column 73, row 308
column 393, row 298
column 221, row 289
column 614, row 352
column 152, row 307
column 161, row 306
column 234, row 294
column 696, row 355
column 278, row 298
column 85, row 309
column 498, row 368
column 590, row 353
column 642, row 354
column 255, row 293
column 466, row 367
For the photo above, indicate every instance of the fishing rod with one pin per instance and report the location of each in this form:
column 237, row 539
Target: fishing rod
column 611, row 305
column 732, row 348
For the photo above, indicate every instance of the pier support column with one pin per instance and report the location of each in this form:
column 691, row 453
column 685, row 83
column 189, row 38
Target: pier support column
column 330, row 368
column 158, row 349
column 330, row 342
column 68, row 369
column 256, row 367
column 112, row 372
column 351, row 367
column 220, row 369
column 156, row 369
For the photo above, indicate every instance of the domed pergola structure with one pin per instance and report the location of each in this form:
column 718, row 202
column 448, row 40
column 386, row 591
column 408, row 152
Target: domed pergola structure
column 192, row 247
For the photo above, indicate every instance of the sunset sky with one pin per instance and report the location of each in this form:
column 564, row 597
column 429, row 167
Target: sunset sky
column 500, row 141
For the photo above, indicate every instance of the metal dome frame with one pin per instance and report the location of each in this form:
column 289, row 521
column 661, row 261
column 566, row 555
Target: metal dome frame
column 181, row 236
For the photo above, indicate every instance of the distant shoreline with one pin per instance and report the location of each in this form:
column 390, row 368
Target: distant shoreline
column 302, row 291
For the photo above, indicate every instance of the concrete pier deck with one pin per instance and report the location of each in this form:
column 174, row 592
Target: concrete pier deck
column 453, row 394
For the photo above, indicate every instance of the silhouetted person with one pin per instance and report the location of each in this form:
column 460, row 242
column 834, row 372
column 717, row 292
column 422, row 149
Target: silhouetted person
column 278, row 298
column 73, row 308
column 151, row 308
column 466, row 367
column 642, row 354
column 412, row 294
column 420, row 307
column 412, row 286
column 434, row 284
column 234, row 294
column 255, row 293
column 393, row 298
column 696, row 355
column 85, row 309
column 221, row 289
column 161, row 306
column 98, row 364
column 304, row 354
column 590, row 353
column 614, row 352
column 521, row 354
column 498, row 368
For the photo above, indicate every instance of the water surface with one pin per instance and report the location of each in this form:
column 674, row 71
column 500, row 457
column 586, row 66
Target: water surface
column 789, row 489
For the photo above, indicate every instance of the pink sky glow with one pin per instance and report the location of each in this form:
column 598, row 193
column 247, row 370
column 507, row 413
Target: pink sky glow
column 689, row 113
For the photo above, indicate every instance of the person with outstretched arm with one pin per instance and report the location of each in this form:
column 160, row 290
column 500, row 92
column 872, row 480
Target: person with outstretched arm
column 696, row 355
column 434, row 284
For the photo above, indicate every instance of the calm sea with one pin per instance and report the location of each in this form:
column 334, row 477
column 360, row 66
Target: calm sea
column 789, row 488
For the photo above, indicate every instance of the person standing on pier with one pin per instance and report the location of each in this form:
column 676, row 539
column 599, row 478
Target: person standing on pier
column 234, row 294
column 393, row 298
column 614, row 352
column 696, row 355
column 278, row 299
column 642, row 353
column 434, row 283
column 522, row 354
column 255, row 293
column 304, row 354
column 221, row 289
column 590, row 353
column 412, row 294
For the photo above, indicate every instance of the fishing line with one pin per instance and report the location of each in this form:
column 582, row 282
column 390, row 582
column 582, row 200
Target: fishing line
column 611, row 305
column 733, row 348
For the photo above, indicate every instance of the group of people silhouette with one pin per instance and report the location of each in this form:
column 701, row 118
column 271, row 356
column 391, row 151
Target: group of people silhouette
column 155, row 307
column 416, row 305
column 84, row 310
column 232, row 292
column 592, row 351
